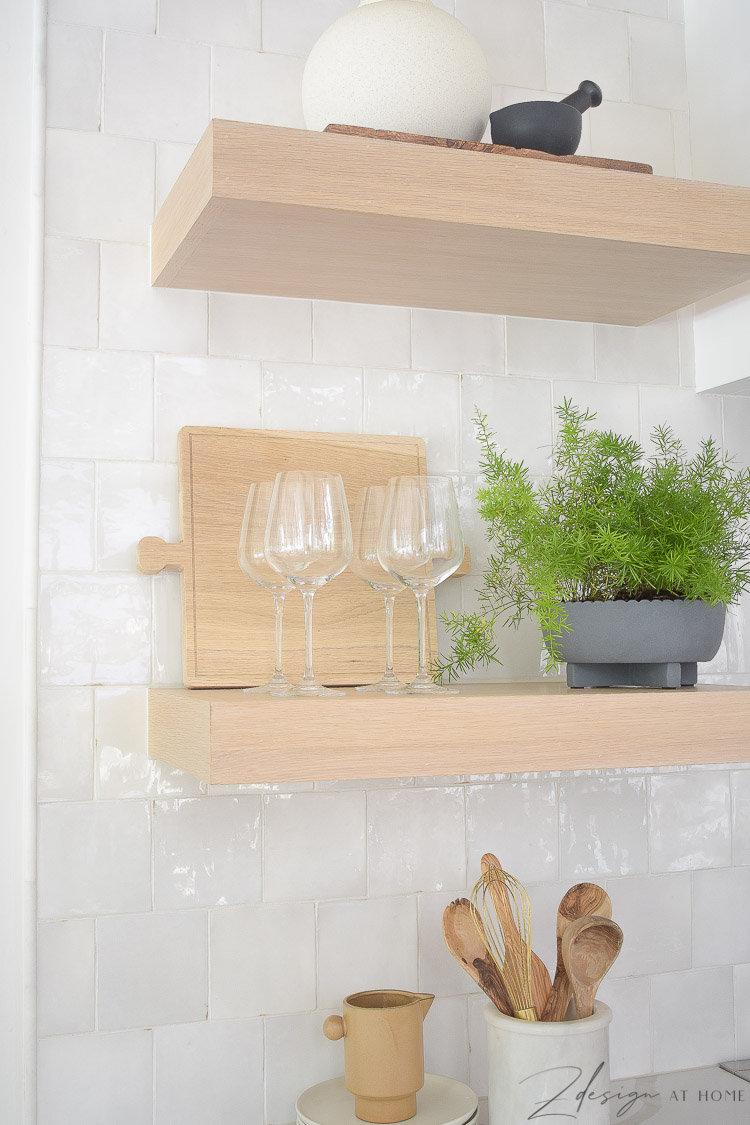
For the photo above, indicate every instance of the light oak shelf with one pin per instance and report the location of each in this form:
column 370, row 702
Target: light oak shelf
column 260, row 209
column 226, row 736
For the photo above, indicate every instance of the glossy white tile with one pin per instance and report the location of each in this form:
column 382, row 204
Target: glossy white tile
column 94, row 858
column 207, row 852
column 519, row 412
column 720, row 931
column 737, row 428
column 517, row 821
column 152, row 969
column 656, row 8
column 655, row 913
column 691, row 1018
column 133, row 499
column 512, row 37
column 231, row 23
column 253, row 86
column 126, row 15
column 633, row 132
column 647, row 354
column 277, row 976
column 166, row 646
column 71, row 292
column 742, row 1010
column 65, row 744
column 446, row 1038
column 291, row 27
column 97, row 405
column 297, row 1056
column 418, row 405
column 519, row 650
column 203, row 391
column 66, row 516
column 171, row 158
column 74, row 76
column 689, row 821
column 299, row 396
column 123, row 767
column 657, row 63
column 603, row 826
column 439, row 972
column 471, row 343
column 99, row 186
column 356, row 949
column 314, row 846
column 375, row 335
column 740, row 782
column 615, row 407
column 136, row 317
column 404, row 853
column 66, row 977
column 260, row 327
column 209, row 1072
column 94, row 629
column 676, row 8
column 90, row 1079
column 582, row 41
column 683, row 155
column 630, row 1030
column 551, row 349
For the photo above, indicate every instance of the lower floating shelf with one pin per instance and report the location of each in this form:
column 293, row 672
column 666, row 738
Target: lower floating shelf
column 225, row 736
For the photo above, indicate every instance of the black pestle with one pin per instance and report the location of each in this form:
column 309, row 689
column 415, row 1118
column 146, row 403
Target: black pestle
column 587, row 96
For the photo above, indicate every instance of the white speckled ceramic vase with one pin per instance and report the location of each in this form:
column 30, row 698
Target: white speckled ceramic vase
column 549, row 1071
column 404, row 65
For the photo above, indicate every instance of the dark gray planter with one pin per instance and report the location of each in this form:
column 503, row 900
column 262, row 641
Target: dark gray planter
column 647, row 643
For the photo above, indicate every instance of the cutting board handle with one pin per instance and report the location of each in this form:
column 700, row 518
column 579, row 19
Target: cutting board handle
column 154, row 555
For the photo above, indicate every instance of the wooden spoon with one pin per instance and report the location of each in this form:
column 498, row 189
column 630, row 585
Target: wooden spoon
column 540, row 978
column 583, row 898
column 590, row 946
column 464, row 935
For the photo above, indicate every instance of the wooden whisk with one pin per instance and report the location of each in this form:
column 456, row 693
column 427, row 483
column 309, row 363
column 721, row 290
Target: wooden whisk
column 503, row 905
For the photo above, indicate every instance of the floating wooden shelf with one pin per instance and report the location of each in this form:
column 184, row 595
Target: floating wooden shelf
column 260, row 209
column 230, row 737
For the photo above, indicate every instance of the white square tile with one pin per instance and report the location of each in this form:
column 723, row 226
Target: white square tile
column 625, row 131
column 742, row 1010
column 520, row 653
column 693, row 417
column 740, row 780
column 657, row 63
column 97, row 405
column 259, row 87
column 615, row 407
column 66, row 515
column 656, row 917
column 584, row 42
column 519, row 413
column 299, row 396
column 691, row 1018
column 314, row 846
column 412, row 404
column 404, row 853
column 166, row 616
column 552, row 349
column 689, row 821
column 171, row 158
column 71, row 293
column 66, row 976
column 676, row 9
column 630, row 1030
column 94, row 858
column 297, row 1056
column 603, row 826
column 376, row 335
column 123, row 767
column 152, row 969
column 65, row 744
column 209, row 1072
column 721, row 895
column 99, row 186
column 439, row 972
column 74, row 76
column 280, row 974
column 229, row 23
column 260, row 327
column 126, row 15
column 156, row 88
column 737, row 428
column 94, row 629
column 136, row 317
column 92, row 1079
column 291, row 27
column 657, row 8
column 357, row 950
column 134, row 499
column 458, row 341
column 446, row 1038
column 207, row 852
column 649, row 353
column 517, row 821
column 203, row 391
column 512, row 36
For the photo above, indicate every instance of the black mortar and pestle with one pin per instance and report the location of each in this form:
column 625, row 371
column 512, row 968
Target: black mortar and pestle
column 553, row 127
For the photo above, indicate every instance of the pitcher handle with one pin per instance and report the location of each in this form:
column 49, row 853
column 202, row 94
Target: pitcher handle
column 333, row 1027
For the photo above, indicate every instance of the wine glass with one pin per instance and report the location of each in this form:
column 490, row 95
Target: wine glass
column 251, row 556
column 368, row 520
column 421, row 544
column 309, row 540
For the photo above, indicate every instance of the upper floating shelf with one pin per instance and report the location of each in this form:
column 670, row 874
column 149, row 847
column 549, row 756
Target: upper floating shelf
column 260, row 209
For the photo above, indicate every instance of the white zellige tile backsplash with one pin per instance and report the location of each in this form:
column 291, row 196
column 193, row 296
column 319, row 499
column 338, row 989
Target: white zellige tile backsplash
column 192, row 938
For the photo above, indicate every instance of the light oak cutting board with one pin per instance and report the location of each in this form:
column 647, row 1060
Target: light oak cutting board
column 228, row 620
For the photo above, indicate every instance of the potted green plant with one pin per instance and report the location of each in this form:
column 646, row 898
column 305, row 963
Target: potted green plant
column 627, row 561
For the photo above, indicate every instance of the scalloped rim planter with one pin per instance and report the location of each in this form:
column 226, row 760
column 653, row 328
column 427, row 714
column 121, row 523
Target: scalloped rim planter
column 640, row 643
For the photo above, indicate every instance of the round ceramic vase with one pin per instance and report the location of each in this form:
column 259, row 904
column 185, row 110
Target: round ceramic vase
column 403, row 65
column 548, row 1071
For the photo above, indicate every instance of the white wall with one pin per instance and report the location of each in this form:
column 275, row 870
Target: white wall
column 191, row 938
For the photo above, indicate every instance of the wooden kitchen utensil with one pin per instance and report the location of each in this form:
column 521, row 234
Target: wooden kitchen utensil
column 541, row 982
column 582, row 899
column 228, row 624
column 590, row 946
column 464, row 935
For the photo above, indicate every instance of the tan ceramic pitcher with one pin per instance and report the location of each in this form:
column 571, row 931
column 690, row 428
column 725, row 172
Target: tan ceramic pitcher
column 383, row 1051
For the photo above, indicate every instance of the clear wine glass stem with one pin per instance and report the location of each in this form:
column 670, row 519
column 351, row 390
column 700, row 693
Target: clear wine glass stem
column 422, row 676
column 389, row 599
column 309, row 676
column 278, row 605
